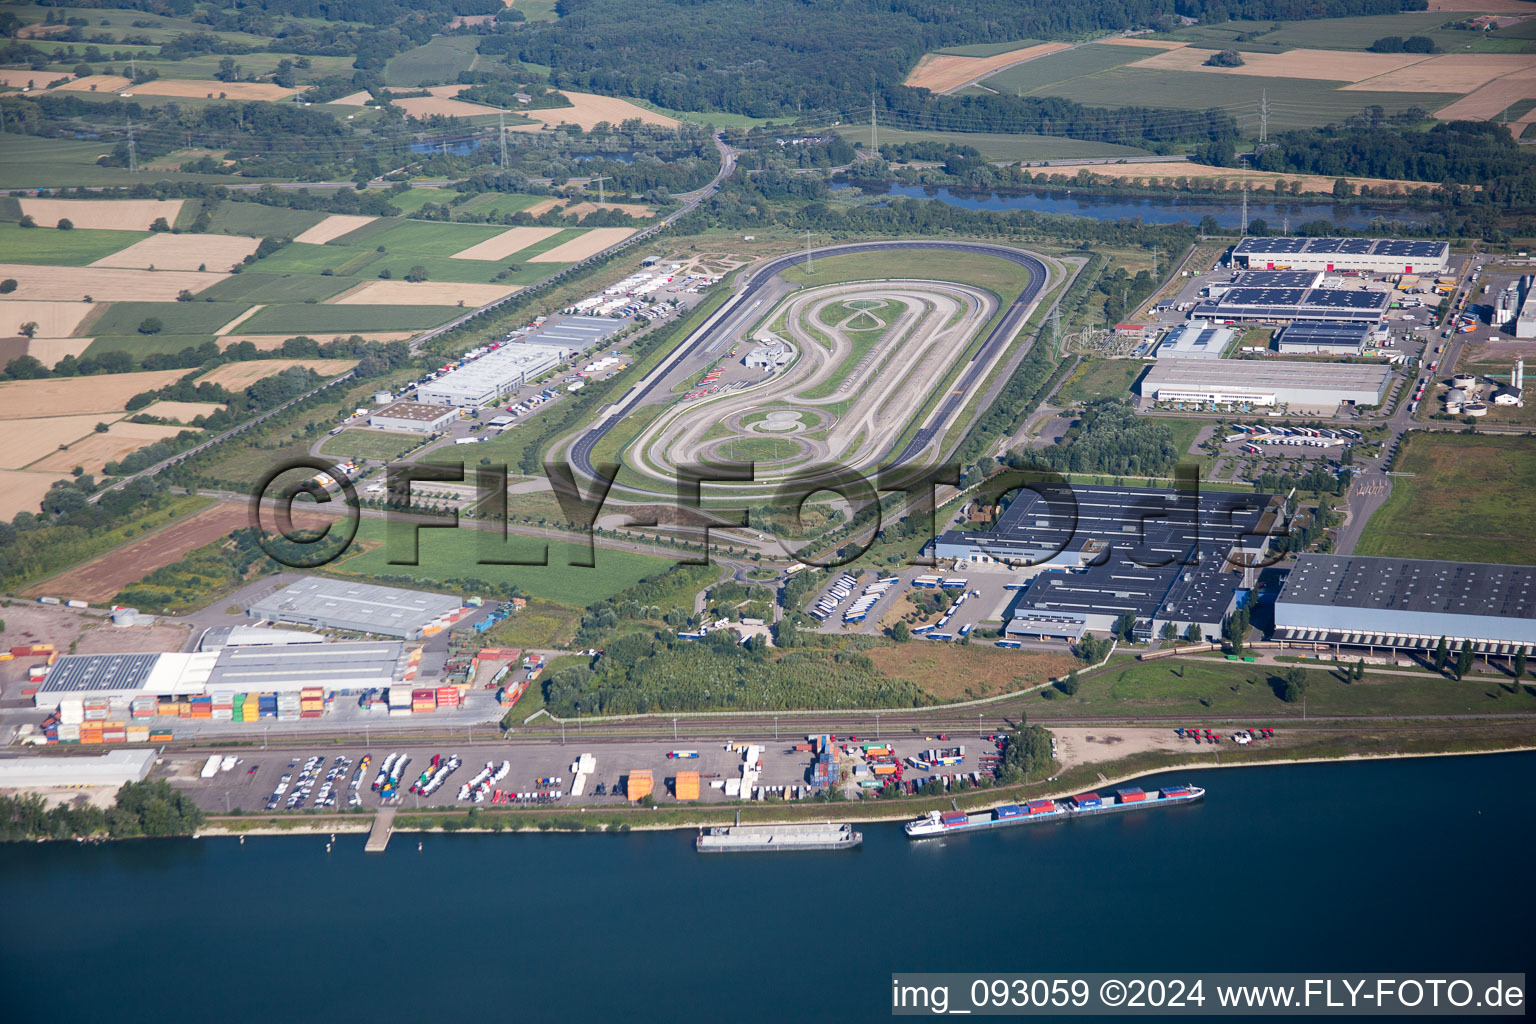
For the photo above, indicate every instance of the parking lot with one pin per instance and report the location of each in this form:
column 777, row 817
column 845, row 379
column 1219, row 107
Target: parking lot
column 259, row 775
column 986, row 598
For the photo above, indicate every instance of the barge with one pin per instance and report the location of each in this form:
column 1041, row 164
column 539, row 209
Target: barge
column 941, row 823
column 778, row 838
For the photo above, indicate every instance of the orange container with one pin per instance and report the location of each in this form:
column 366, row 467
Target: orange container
column 639, row 784
column 687, row 785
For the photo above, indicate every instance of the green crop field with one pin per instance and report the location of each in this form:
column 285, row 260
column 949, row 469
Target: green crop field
column 537, row 10
column 141, row 345
column 28, row 161
column 1293, row 102
column 319, row 319
column 1468, row 500
column 253, row 287
column 47, row 244
column 1354, row 33
column 382, row 445
column 350, row 263
column 233, row 218
column 178, row 317
column 988, row 49
column 493, row 202
column 999, row 146
column 413, row 199
column 453, row 553
column 204, row 66
column 425, row 237
column 1058, row 67
column 437, row 62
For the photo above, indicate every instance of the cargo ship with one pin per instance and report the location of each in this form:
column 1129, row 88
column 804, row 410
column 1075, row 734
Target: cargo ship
column 942, row 823
column 778, row 838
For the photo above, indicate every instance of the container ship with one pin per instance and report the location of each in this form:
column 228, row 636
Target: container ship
column 940, row 823
column 778, row 838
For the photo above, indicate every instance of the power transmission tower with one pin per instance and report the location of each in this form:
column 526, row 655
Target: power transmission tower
column 1244, row 230
column 874, row 138
column 600, row 194
column 1056, row 329
column 1154, row 263
column 1264, row 118
column 501, row 136
column 133, row 159
column 810, row 262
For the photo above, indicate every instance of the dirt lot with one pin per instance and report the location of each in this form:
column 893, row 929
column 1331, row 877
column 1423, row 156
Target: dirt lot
column 21, row 491
column 116, row 214
column 28, row 440
column 108, row 284
column 94, row 83
column 95, row 450
column 1320, row 65
column 446, row 106
column 183, row 252
column 953, row 672
column 588, row 109
column 29, row 623
column 53, row 319
column 1493, row 98
column 632, row 209
column 268, row 342
column 1108, row 743
column 23, row 399
column 239, row 376
column 942, row 72
column 1449, row 72
column 356, row 99
column 594, row 241
column 101, row 578
column 181, row 412
column 1151, row 44
column 1309, row 182
column 334, row 226
column 422, row 293
column 505, row 244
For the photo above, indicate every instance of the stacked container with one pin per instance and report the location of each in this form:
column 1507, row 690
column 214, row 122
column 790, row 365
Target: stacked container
column 447, row 696
column 311, row 702
column 423, row 701
column 69, row 732
column 223, row 706
column 1041, row 806
column 200, row 707
column 250, row 707
column 687, row 785
column 144, row 707
column 71, row 711
column 266, row 705
column 288, row 706
column 95, row 709
column 160, row 737
column 138, row 734
column 1130, row 796
column 90, row 732
column 114, row 732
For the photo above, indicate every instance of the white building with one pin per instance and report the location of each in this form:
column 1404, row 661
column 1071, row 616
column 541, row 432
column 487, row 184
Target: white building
column 1266, row 382
column 492, row 375
column 1371, row 255
column 768, row 357
column 1197, row 339
column 419, row 417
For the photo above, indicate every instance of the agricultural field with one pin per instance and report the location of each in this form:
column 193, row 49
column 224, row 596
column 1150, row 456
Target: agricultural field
column 239, row 376
column 946, row 71
column 450, row 554
column 1469, row 499
column 325, row 320
column 439, row 61
column 999, row 145
column 237, row 218
column 124, row 318
column 1059, row 67
column 1099, row 378
column 1354, row 33
column 47, row 244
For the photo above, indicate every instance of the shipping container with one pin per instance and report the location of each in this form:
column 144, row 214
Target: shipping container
column 1130, row 796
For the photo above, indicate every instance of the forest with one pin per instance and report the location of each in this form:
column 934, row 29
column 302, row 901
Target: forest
column 1378, row 146
column 1109, row 438
column 149, row 808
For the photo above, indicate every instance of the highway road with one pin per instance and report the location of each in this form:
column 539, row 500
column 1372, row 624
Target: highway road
column 762, row 289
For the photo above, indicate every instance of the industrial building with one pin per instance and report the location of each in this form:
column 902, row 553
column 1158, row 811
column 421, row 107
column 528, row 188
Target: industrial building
column 1323, row 339
column 358, row 608
column 1358, row 305
column 578, row 333
column 1091, row 554
column 216, row 638
column 492, row 375
column 768, row 357
column 1370, row 255
column 1197, row 339
column 1271, row 279
column 415, row 416
column 1523, row 323
column 1407, row 603
column 115, row 768
column 276, row 669
column 1266, row 382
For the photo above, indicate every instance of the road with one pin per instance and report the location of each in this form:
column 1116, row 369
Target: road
column 758, row 293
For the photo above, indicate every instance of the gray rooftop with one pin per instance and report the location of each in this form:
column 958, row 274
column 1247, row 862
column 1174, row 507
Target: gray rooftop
column 106, row 674
column 360, row 607
column 1413, row 585
column 332, row 666
column 1292, row 245
column 1266, row 373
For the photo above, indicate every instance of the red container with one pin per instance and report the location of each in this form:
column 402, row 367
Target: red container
column 1131, row 796
column 953, row 817
column 1041, row 806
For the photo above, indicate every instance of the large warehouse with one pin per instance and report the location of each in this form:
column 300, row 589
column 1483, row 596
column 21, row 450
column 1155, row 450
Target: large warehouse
column 1095, row 553
column 112, row 769
column 1197, row 339
column 492, row 375
column 1407, row 603
column 358, row 608
column 578, row 333
column 1371, row 255
column 1324, row 339
column 121, row 677
column 416, row 416
column 1357, row 305
column 1266, row 382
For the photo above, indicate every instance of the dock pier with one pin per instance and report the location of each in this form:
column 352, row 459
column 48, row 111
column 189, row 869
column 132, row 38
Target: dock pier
column 383, row 827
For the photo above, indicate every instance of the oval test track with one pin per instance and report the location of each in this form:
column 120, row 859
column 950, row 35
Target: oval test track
column 744, row 306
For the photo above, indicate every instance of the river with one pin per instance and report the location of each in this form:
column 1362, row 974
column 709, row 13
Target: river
column 1162, row 209
column 1415, row 865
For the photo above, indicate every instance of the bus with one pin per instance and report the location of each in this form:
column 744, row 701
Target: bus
column 1011, row 645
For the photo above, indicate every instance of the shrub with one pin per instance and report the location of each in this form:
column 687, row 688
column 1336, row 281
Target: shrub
column 7, row 286
column 151, row 325
column 65, row 224
column 1225, row 59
